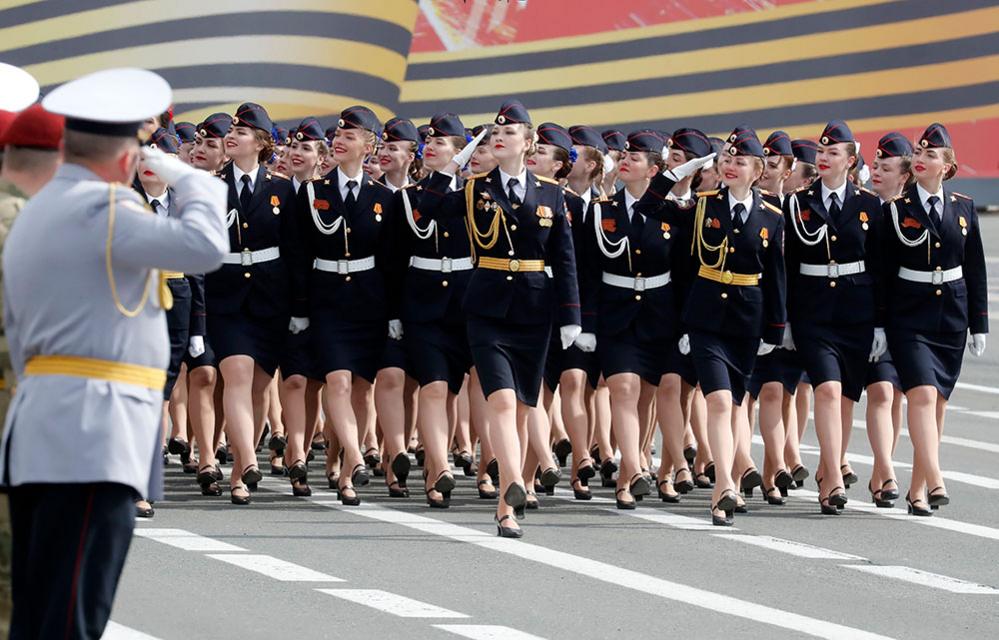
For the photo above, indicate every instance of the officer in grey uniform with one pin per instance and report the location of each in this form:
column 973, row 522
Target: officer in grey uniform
column 82, row 432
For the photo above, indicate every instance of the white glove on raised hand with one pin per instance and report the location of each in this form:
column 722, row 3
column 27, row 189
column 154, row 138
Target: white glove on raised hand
column 298, row 325
column 684, row 344
column 569, row 334
column 608, row 164
column 395, row 329
column 676, row 174
column 169, row 168
column 787, row 342
column 880, row 344
column 587, row 342
column 976, row 344
column 196, row 346
column 765, row 348
column 461, row 158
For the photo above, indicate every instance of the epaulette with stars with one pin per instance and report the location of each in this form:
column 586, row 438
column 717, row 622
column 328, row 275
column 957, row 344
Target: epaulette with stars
column 772, row 207
column 271, row 174
column 867, row 191
column 961, row 195
column 707, row 194
column 548, row 180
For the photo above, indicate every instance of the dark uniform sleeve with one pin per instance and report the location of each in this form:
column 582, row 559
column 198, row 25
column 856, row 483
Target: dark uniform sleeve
column 293, row 247
column 589, row 273
column 774, row 288
column 198, row 312
column 562, row 258
column 792, row 257
column 388, row 258
column 974, row 276
column 681, row 267
column 436, row 202
column 304, row 254
column 653, row 204
column 874, row 264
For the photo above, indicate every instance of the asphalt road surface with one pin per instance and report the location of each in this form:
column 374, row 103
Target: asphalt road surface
column 308, row 568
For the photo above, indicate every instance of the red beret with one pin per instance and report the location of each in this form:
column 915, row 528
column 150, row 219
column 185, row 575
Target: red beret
column 6, row 117
column 35, row 128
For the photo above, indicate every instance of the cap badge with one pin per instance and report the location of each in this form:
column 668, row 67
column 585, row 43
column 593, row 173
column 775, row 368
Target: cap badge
column 501, row 119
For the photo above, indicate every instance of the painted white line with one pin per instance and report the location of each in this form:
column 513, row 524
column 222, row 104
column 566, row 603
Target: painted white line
column 392, row 603
column 967, row 386
column 926, row 579
column 617, row 576
column 981, row 445
column 669, row 519
column 486, row 632
column 789, row 546
column 275, row 567
column 186, row 540
column 991, row 415
column 115, row 631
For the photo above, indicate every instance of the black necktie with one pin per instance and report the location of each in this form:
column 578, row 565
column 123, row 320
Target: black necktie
column 834, row 206
column 155, row 204
column 514, row 199
column 245, row 194
column 738, row 210
column 351, row 200
column 934, row 213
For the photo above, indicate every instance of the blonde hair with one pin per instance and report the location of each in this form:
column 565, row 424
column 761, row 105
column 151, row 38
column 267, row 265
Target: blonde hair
column 264, row 138
column 950, row 157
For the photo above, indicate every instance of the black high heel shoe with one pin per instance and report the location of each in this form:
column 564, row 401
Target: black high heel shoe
column 832, row 504
column 878, row 497
column 850, row 477
column 562, row 449
column 709, row 471
column 345, row 500
column 938, row 498
column 768, row 495
column 672, row 498
column 486, row 495
column 607, row 469
column 240, row 501
column 507, row 532
column 549, row 478
column 639, row 486
column 492, row 470
column 917, row 511
column 690, row 454
column 251, row 476
column 444, row 484
column 421, row 456
column 624, row 504
column 532, row 501
column 372, row 457
column 396, row 490
column 751, row 479
column 208, row 481
column 359, row 476
column 580, row 494
column 586, row 471
column 400, row 469
column 682, row 486
column 799, row 474
column 516, row 497
column 702, row 481
column 726, row 503
column 463, row 460
column 443, row 503
column 827, row 508
column 889, row 494
column 300, row 488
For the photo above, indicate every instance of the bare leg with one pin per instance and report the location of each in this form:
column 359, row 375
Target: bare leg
column 340, row 388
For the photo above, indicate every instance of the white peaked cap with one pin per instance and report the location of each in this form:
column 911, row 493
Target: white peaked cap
column 110, row 102
column 18, row 89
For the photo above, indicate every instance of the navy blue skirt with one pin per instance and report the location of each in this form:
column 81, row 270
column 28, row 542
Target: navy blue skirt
column 780, row 365
column 928, row 358
column 681, row 365
column 883, row 370
column 723, row 362
column 835, row 353
column 298, row 358
column 625, row 352
column 206, row 359
column 438, row 352
column 559, row 361
column 394, row 355
column 239, row 334
column 178, row 327
column 509, row 356
column 341, row 344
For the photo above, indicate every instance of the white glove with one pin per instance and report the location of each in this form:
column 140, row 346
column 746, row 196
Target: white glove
column 684, row 344
column 688, row 168
column 880, row 344
column 196, row 346
column 765, row 348
column 298, row 325
column 608, row 164
column 587, row 342
column 462, row 157
column 169, row 168
column 569, row 334
column 787, row 342
column 976, row 344
column 395, row 329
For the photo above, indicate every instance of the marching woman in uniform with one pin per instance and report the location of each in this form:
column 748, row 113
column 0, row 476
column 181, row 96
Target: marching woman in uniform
column 438, row 266
column 518, row 226
column 938, row 295
column 835, row 301
column 891, row 173
column 251, row 298
column 735, row 309
column 632, row 291
column 347, row 235
column 301, row 382
column 185, row 132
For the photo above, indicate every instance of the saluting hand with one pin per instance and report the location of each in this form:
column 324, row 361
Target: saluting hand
column 976, row 344
column 688, row 168
column 462, row 157
column 169, row 168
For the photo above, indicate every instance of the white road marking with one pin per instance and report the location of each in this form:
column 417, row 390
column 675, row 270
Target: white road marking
column 486, row 632
column 789, row 546
column 185, row 540
column 115, row 631
column 981, row 445
column 991, row 415
column 611, row 574
column 926, row 579
column 967, row 386
column 274, row 567
column 397, row 605
column 669, row 519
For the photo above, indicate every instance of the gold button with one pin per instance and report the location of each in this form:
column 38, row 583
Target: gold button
column 515, row 265
column 939, row 292
column 509, row 277
column 638, row 297
column 638, row 275
column 638, row 252
column 513, row 227
column 735, row 231
column 724, row 296
column 246, row 225
column 937, row 245
column 444, row 283
column 731, row 249
column 246, row 274
column 727, row 277
column 832, row 283
column 348, row 229
column 937, row 269
column 510, row 252
column 447, row 235
column 347, row 279
column 833, row 238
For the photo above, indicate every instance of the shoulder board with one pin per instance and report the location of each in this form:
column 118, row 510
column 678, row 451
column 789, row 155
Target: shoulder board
column 898, row 197
column 478, row 175
column 568, row 190
column 772, row 207
column 767, row 193
column 961, row 195
column 408, row 185
column 803, row 187
column 544, row 179
column 704, row 194
column 867, row 191
column 603, row 200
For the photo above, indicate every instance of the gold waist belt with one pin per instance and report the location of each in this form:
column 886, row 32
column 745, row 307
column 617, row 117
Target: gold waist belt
column 171, row 275
column 727, row 277
column 502, row 264
column 97, row 369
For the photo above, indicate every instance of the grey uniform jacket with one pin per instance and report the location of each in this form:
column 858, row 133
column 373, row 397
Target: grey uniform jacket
column 58, row 301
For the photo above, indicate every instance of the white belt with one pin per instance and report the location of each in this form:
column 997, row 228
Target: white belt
column 247, row 258
column 931, row 277
column 833, row 270
column 344, row 267
column 443, row 265
column 636, row 284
